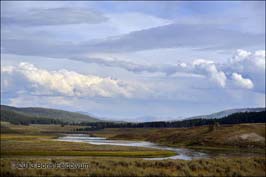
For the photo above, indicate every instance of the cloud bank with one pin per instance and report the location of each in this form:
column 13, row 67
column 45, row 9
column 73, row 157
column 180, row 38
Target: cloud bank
column 64, row 82
column 250, row 64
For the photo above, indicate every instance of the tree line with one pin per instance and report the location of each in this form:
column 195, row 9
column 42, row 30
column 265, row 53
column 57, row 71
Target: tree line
column 244, row 117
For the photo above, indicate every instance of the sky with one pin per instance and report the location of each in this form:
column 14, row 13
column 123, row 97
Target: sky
column 133, row 61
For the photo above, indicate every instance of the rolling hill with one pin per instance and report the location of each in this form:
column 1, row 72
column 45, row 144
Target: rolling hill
column 42, row 113
column 225, row 113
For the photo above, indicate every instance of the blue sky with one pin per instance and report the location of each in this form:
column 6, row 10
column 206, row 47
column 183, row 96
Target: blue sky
column 136, row 61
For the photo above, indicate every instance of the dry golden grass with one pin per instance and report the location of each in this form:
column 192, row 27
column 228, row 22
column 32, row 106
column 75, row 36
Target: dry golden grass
column 138, row 167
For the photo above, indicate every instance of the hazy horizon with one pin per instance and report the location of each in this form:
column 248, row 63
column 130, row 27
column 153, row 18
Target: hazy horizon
column 133, row 60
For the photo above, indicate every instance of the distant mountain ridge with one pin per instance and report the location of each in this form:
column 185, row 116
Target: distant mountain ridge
column 225, row 113
column 64, row 116
column 77, row 117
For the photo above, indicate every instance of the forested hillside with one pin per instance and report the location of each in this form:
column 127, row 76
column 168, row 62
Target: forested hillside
column 227, row 112
column 52, row 116
column 64, row 116
column 237, row 118
column 17, row 118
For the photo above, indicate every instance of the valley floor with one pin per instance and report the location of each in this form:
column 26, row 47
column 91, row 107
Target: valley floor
column 35, row 144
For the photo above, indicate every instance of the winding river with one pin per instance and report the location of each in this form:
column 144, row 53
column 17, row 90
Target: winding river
column 181, row 153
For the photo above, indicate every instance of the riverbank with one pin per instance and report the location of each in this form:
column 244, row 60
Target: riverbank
column 21, row 140
column 240, row 137
column 179, row 153
column 183, row 153
column 43, row 145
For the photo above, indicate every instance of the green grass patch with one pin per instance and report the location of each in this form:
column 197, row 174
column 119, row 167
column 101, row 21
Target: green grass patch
column 46, row 145
column 91, row 153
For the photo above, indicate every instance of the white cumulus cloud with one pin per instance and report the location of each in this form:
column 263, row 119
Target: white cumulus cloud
column 209, row 68
column 250, row 65
column 248, row 61
column 241, row 81
column 68, row 83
